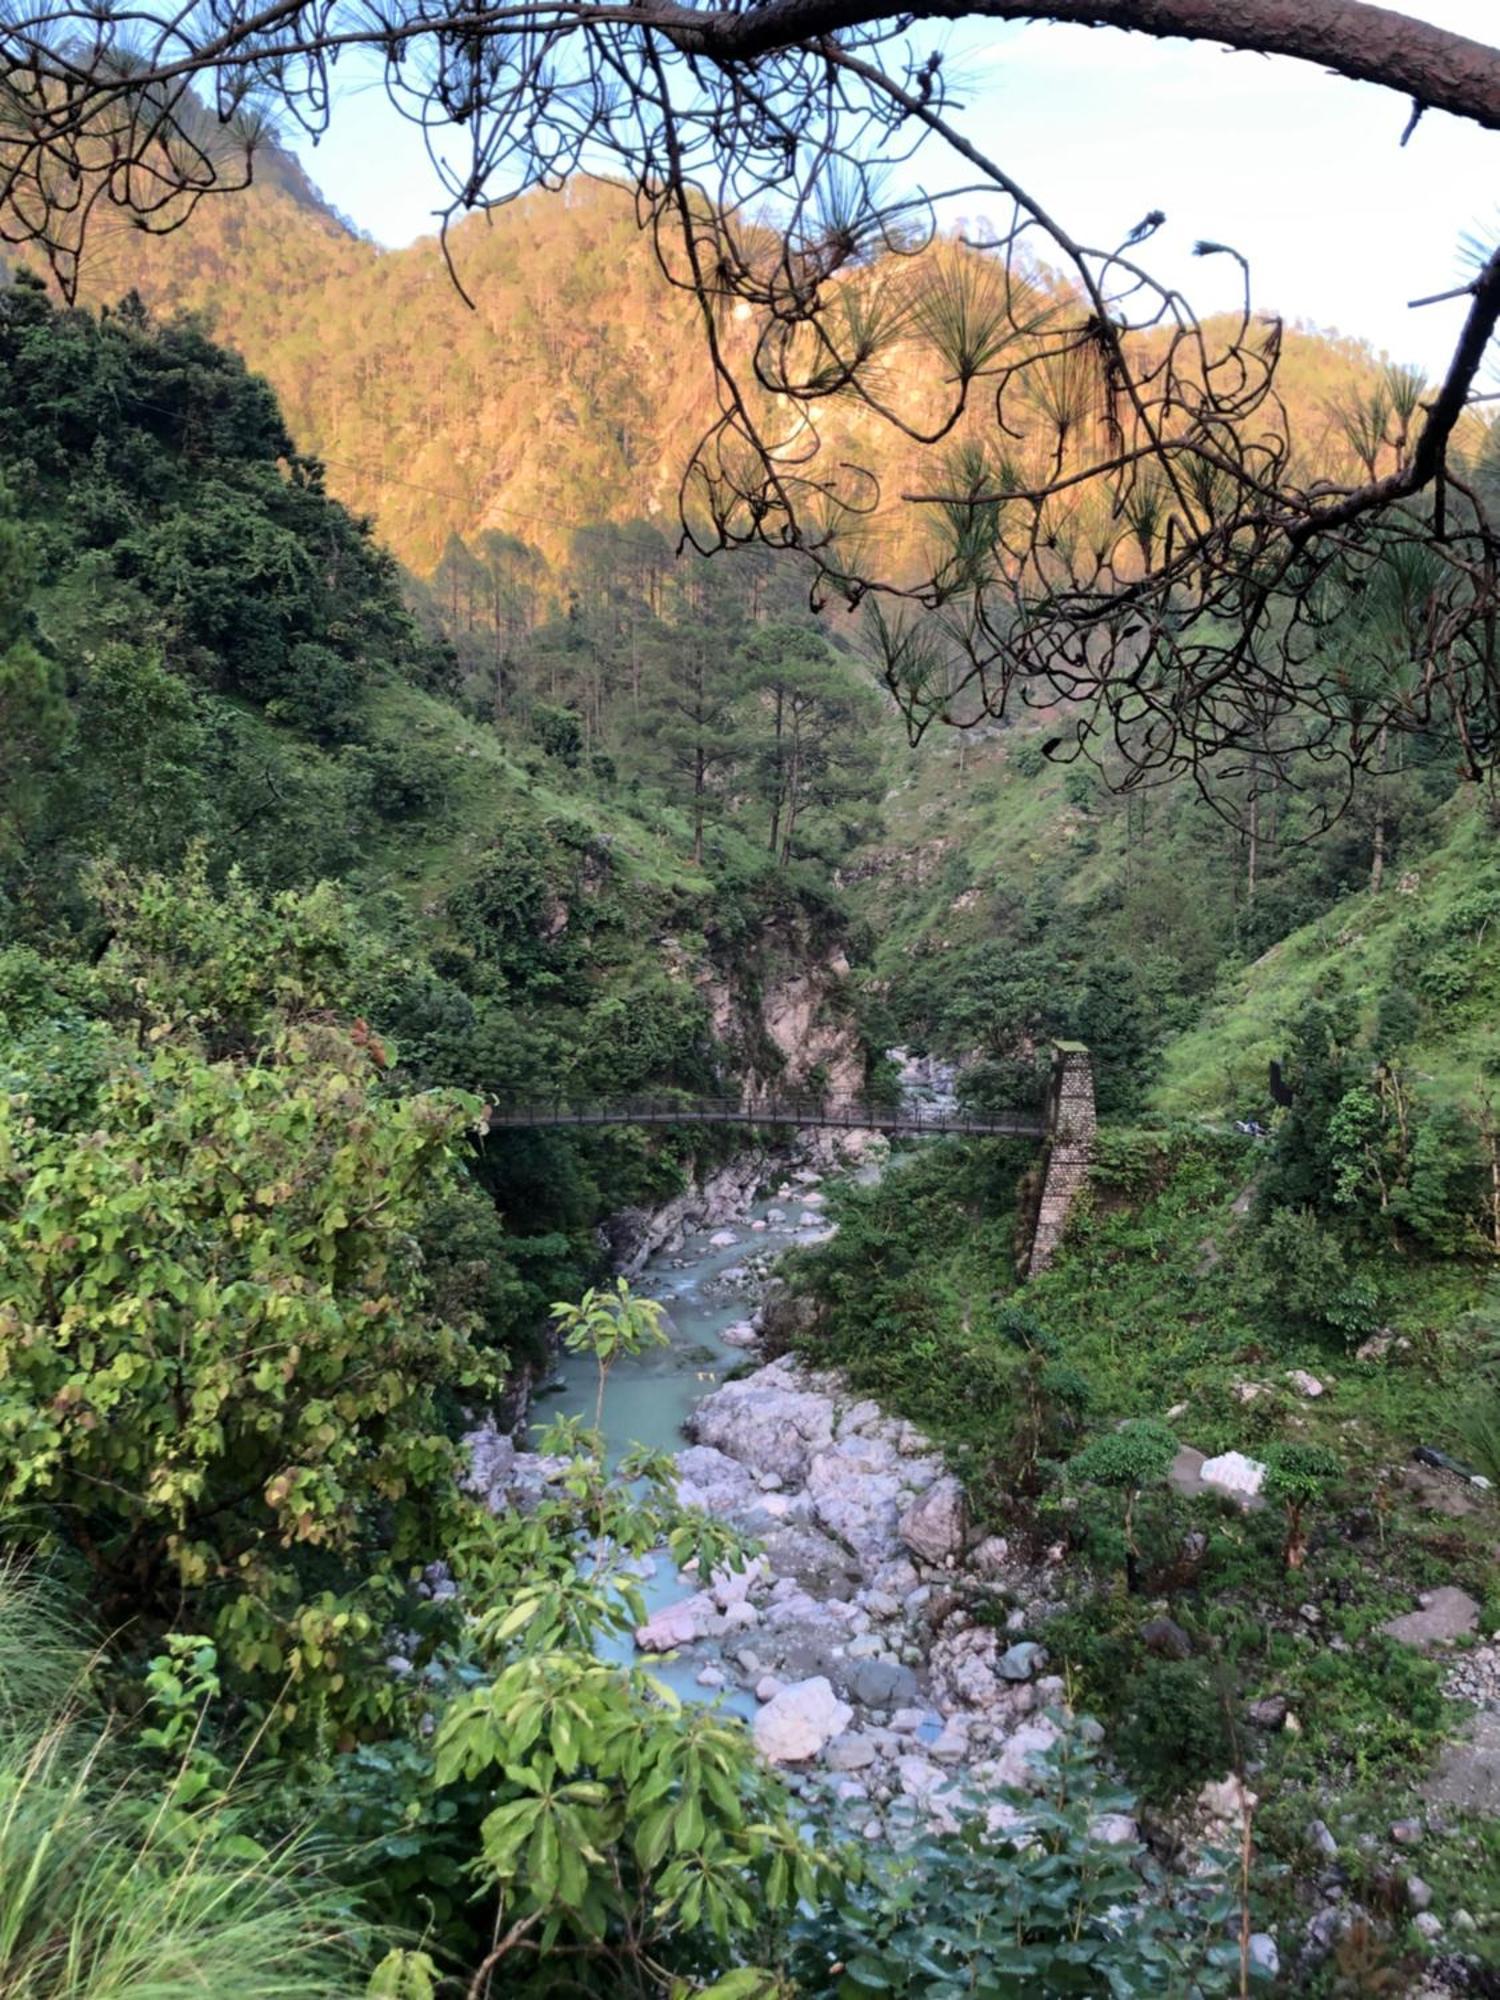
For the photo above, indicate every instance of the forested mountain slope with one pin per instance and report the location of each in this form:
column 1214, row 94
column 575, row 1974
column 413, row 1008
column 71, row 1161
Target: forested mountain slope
column 572, row 392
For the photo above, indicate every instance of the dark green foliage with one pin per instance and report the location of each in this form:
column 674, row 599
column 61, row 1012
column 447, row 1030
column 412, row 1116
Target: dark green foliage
column 907, row 1328
column 317, row 692
column 1174, row 1728
column 402, row 780
column 502, row 912
column 1360, row 1151
column 175, row 573
column 1298, row 1474
column 1126, row 1459
column 1445, row 1184
column 1305, row 1281
column 559, row 732
column 1050, row 1908
column 630, row 1039
column 1008, row 997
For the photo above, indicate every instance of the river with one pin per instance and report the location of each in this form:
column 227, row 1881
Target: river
column 648, row 1397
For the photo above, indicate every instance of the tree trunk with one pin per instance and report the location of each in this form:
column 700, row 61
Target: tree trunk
column 1252, row 857
column 1377, row 845
column 778, row 778
column 1295, row 1547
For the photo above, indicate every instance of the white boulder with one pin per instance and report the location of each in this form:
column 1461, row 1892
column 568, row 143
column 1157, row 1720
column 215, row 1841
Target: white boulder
column 1303, row 1383
column 1232, row 1473
column 799, row 1720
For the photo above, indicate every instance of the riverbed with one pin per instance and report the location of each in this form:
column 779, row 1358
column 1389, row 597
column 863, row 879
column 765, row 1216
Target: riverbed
column 879, row 1649
column 706, row 1286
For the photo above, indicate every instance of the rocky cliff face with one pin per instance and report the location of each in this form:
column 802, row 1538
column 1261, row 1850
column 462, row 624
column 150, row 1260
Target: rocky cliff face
column 787, row 1017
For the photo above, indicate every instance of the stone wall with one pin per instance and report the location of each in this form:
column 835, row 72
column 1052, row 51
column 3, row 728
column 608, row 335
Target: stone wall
column 1071, row 1121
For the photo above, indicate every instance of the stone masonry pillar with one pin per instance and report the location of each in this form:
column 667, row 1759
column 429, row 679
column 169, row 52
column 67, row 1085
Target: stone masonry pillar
column 1071, row 1123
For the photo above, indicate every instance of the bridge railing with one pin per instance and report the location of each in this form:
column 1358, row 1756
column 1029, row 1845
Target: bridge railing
column 845, row 1114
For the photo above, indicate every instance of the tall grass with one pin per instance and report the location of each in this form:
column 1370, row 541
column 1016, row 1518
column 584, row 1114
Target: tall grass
column 107, row 1895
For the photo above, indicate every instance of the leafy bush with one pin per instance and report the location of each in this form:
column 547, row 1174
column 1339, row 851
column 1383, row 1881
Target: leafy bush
column 1126, row 1460
column 658, row 1033
column 501, row 913
column 223, row 961
column 607, row 1822
column 318, row 693
column 1306, row 1282
column 217, row 1373
column 404, row 780
column 559, row 732
column 1297, row 1475
column 1174, row 1729
column 1047, row 1905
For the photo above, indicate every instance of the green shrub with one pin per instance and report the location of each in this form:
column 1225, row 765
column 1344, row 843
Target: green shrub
column 1174, row 1729
column 217, row 1370
column 403, row 780
column 501, row 912
column 1136, row 1455
column 560, row 734
column 1297, row 1476
column 1306, row 1283
column 318, row 693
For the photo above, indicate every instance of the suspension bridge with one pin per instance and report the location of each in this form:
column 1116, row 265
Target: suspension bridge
column 1064, row 1128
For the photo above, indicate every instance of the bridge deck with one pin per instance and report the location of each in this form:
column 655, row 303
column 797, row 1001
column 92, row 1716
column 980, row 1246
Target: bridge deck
column 908, row 1119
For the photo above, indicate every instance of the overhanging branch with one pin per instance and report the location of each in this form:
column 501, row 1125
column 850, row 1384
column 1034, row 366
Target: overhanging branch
column 1435, row 68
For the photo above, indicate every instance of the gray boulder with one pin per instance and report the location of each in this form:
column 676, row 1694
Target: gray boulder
column 851, row 1752
column 855, row 1490
column 716, row 1483
column 1441, row 1617
column 879, row 1683
column 935, row 1526
column 769, row 1421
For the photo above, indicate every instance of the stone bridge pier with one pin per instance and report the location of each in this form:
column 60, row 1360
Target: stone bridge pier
column 1072, row 1121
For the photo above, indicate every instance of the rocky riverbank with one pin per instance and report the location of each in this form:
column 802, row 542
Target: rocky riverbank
column 891, row 1654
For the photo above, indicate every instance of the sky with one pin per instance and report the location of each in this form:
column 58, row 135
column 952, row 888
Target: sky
column 1300, row 171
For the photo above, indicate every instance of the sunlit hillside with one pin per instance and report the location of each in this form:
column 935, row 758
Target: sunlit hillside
column 573, row 389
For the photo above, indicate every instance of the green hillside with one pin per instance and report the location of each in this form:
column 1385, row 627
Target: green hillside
column 211, row 674
column 1429, row 936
